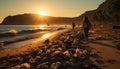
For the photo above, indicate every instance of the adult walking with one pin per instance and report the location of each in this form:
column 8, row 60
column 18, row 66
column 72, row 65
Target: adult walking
column 73, row 25
column 86, row 26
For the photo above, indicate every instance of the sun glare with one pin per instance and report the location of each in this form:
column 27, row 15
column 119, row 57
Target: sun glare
column 41, row 26
column 42, row 13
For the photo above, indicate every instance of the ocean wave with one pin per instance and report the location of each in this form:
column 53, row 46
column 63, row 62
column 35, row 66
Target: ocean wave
column 11, row 32
column 32, row 31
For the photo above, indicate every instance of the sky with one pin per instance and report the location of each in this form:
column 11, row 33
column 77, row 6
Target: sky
column 57, row 8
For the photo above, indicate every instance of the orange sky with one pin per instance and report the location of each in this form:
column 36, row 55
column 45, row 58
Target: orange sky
column 58, row 8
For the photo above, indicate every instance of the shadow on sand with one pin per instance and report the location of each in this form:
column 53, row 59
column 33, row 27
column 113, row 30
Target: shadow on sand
column 102, row 44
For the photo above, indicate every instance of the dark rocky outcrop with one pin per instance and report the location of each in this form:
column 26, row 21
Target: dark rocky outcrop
column 107, row 12
column 36, row 19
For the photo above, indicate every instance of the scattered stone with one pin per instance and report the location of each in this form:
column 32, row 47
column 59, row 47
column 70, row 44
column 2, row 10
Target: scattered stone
column 57, row 65
column 44, row 65
column 37, row 59
column 67, row 53
column 56, row 53
column 25, row 66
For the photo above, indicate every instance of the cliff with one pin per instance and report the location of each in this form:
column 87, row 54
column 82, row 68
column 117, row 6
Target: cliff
column 36, row 19
column 108, row 11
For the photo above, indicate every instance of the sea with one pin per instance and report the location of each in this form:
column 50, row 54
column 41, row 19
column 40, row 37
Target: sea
column 4, row 28
column 7, row 30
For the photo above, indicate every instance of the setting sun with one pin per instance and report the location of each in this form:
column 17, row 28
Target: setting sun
column 42, row 12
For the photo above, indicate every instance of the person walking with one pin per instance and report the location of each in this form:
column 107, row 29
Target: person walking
column 73, row 25
column 86, row 26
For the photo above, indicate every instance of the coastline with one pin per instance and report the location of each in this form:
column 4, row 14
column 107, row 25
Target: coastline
column 68, row 47
column 32, row 44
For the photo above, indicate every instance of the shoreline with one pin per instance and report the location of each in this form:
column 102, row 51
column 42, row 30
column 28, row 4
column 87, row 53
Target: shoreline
column 32, row 44
column 66, row 50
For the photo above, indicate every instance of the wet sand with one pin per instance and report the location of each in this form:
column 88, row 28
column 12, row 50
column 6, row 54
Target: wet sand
column 66, row 51
column 20, row 47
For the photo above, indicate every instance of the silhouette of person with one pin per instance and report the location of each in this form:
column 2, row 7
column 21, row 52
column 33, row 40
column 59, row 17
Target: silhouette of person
column 86, row 26
column 73, row 25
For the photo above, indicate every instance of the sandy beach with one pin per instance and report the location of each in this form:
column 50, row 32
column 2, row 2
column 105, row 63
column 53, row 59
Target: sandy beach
column 59, row 34
column 64, row 50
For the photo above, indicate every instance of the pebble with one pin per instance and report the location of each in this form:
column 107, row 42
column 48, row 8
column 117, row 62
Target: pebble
column 57, row 65
column 67, row 53
column 25, row 66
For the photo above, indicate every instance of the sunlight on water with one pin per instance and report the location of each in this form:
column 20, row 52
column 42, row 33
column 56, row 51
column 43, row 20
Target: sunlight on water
column 42, row 26
column 46, row 36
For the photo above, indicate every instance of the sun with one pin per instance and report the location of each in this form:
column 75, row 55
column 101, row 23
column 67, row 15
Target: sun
column 42, row 13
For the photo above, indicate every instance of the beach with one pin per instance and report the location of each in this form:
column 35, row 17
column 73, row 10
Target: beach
column 65, row 50
column 60, row 34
